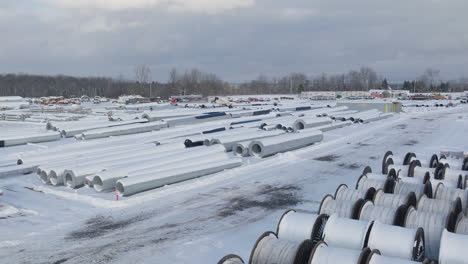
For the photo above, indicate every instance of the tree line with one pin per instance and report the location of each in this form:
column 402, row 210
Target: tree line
column 195, row 81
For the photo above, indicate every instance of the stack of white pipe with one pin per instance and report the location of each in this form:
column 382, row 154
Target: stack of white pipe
column 453, row 174
column 345, row 233
column 333, row 126
column 454, row 163
column 73, row 131
column 122, row 130
column 141, row 183
column 343, row 115
column 453, row 248
column 230, row 143
column 16, row 170
column 304, row 123
column 30, row 138
column 282, row 143
column 375, row 117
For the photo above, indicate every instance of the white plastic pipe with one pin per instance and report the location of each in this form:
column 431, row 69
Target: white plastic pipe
column 282, row 143
column 453, row 248
column 345, row 233
column 230, row 143
column 34, row 138
column 123, row 130
column 16, row 170
column 133, row 185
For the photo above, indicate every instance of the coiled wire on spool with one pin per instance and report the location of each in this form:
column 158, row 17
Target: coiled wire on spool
column 345, row 194
column 396, row 160
column 231, row 259
column 415, row 180
column 269, row 249
column 298, row 226
column 346, row 233
column 437, row 206
column 399, row 242
column 348, row 209
column 453, row 248
column 365, row 183
column 433, row 225
column 462, row 225
column 451, row 194
column 382, row 214
column 394, row 200
column 369, row 174
column 447, row 173
column 401, row 170
column 447, row 183
column 418, row 189
column 455, row 163
column 375, row 257
column 416, row 170
column 323, row 254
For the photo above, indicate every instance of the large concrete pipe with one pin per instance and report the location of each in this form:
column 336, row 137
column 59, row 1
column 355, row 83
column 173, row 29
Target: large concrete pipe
column 133, row 185
column 282, row 143
column 230, row 143
column 310, row 122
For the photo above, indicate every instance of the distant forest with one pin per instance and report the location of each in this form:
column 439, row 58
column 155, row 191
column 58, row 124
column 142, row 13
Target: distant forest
column 197, row 82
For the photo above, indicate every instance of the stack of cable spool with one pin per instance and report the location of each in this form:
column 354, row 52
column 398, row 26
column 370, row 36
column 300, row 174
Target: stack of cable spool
column 428, row 162
column 416, row 171
column 324, row 254
column 364, row 183
column 453, row 248
column 346, row 233
column 398, row 242
column 433, row 225
column 445, row 172
column 369, row 174
column 452, row 194
column 342, row 208
column 383, row 214
column 300, row 226
column 231, row 259
column 269, row 249
column 405, row 188
column 390, row 158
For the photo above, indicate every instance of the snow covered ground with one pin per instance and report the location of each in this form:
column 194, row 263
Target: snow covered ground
column 199, row 221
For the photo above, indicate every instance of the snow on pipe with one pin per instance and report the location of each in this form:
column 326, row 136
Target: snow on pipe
column 225, row 135
column 418, row 189
column 71, row 132
column 446, row 193
column 249, row 113
column 436, row 206
column 121, row 130
column 453, row 248
column 399, row 242
column 17, row 170
column 462, row 225
column 346, row 233
column 298, row 226
column 396, row 160
column 337, row 115
column 323, row 111
column 433, row 225
column 370, row 175
column 394, row 200
column 369, row 119
column 304, row 123
column 270, row 249
column 133, row 185
column 230, row 143
column 323, row 254
column 106, row 180
column 347, row 209
column 171, row 122
column 386, row 215
column 282, row 143
column 345, row 194
column 375, row 257
column 333, row 126
column 23, row 140
column 231, row 259
column 364, row 183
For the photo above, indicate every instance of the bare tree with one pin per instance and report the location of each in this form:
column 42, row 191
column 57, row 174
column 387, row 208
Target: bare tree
column 142, row 74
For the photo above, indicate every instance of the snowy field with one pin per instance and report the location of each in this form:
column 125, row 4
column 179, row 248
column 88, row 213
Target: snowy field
column 203, row 219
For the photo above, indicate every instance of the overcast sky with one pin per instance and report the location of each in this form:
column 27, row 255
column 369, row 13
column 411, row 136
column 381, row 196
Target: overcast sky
column 236, row 39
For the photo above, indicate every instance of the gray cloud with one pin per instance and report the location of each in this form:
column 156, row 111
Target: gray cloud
column 237, row 39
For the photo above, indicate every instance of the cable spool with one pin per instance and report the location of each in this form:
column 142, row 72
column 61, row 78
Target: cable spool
column 401, row 170
column 438, row 172
column 454, row 163
column 368, row 173
column 347, row 209
column 415, row 180
column 447, row 183
column 365, row 183
column 450, row 174
column 231, row 259
column 399, row 242
column 376, row 258
column 386, row 163
column 323, row 254
column 426, row 161
column 298, row 227
column 346, row 233
column 382, row 214
column 453, row 248
column 394, row 200
column 446, row 193
column 433, row 225
column 397, row 160
column 416, row 170
column 439, row 206
column 343, row 193
column 418, row 189
column 462, row 225
column 269, row 249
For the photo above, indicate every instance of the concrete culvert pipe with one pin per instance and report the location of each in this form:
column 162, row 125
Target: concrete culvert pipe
column 242, row 149
column 298, row 226
column 436, row 206
column 418, row 189
column 282, row 143
column 346, row 233
column 462, row 225
column 348, row 209
column 382, row 214
column 399, row 242
column 433, row 225
column 269, row 249
column 304, row 123
column 231, row 259
column 133, row 185
column 394, row 200
column 346, row 194
column 453, row 248
column 365, row 183
column 446, row 193
column 323, row 254
column 376, row 258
